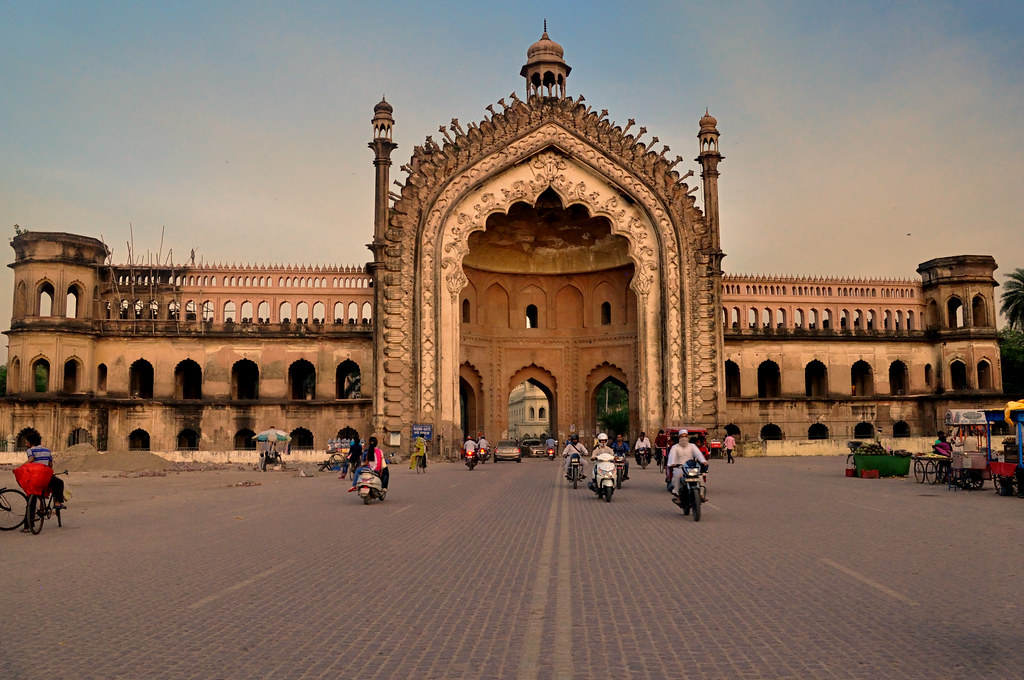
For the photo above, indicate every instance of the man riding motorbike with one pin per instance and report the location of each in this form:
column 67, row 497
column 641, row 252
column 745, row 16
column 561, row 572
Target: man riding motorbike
column 621, row 448
column 573, row 446
column 602, row 452
column 642, row 448
column 679, row 455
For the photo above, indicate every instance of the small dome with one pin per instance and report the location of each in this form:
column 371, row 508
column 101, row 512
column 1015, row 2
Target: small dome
column 383, row 106
column 544, row 49
column 708, row 121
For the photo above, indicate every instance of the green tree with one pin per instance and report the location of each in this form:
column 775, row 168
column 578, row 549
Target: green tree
column 3, row 380
column 1013, row 299
column 1011, row 350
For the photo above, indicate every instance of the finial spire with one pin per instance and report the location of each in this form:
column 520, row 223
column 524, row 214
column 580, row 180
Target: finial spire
column 545, row 24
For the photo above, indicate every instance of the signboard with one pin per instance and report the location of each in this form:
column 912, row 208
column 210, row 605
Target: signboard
column 425, row 431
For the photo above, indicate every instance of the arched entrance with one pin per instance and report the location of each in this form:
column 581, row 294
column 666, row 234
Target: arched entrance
column 529, row 411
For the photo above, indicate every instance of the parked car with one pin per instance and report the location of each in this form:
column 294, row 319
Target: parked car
column 532, row 447
column 507, row 450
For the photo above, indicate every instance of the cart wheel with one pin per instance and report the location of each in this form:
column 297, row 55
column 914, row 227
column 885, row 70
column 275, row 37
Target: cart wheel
column 931, row 475
column 919, row 471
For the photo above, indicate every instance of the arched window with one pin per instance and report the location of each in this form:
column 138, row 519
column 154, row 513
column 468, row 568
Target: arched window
column 732, row 429
column 319, row 312
column 958, row 375
column 302, row 313
column 245, row 440
column 367, row 313
column 732, row 380
column 900, row 429
column 71, row 302
column 245, row 380
column 45, row 299
column 301, row 439
column 140, row 379
column 208, row 311
column 863, row 430
column 245, row 313
column 606, row 314
column 71, row 375
column 41, row 375
column 954, row 313
column 285, row 312
column 542, row 413
column 79, row 435
column 533, row 414
column 768, row 380
column 815, row 379
column 465, row 310
column 979, row 312
column 862, row 380
column 532, row 320
column 138, row 440
column 898, row 378
column 263, row 312
column 817, row 431
column 984, row 375
column 188, row 380
column 302, row 380
column 353, row 312
column 230, row 313
column 188, row 440
column 826, row 318
column 771, row 432
column 928, row 375
column 348, row 380
column 339, row 312
column 101, row 378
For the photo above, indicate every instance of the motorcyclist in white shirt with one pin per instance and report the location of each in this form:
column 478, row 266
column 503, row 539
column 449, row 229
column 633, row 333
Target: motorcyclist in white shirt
column 574, row 446
column 601, row 452
column 680, row 454
column 641, row 444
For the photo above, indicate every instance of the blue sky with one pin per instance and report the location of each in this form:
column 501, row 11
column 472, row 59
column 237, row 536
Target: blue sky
column 860, row 138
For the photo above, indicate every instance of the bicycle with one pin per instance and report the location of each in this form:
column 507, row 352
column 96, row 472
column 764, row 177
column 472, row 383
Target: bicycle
column 13, row 508
column 41, row 507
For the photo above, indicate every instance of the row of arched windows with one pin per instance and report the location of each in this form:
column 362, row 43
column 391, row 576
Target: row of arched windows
column 862, row 430
column 955, row 313
column 188, row 439
column 188, row 379
column 46, row 300
column 825, row 319
column 245, row 281
column 568, row 302
column 246, row 312
column 820, row 291
column 861, row 379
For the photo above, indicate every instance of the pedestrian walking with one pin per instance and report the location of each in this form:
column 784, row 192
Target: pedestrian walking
column 729, row 444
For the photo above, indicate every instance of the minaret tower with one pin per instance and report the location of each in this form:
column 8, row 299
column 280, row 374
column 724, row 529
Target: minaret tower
column 545, row 70
column 709, row 159
column 382, row 147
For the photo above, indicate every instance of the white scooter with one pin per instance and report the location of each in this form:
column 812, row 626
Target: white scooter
column 602, row 481
column 368, row 486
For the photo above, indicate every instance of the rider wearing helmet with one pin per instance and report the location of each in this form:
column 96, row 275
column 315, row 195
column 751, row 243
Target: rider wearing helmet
column 573, row 446
column 602, row 452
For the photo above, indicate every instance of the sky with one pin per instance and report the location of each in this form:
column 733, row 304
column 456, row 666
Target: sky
column 860, row 138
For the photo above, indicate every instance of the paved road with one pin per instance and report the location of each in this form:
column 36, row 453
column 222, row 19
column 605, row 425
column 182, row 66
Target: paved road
column 793, row 572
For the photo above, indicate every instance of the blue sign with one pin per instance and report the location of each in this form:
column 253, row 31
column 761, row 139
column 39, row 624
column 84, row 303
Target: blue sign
column 425, row 431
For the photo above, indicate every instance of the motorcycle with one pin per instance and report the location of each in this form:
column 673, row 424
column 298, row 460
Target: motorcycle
column 620, row 469
column 643, row 458
column 575, row 469
column 551, row 453
column 690, row 496
column 603, row 483
column 368, row 486
column 471, row 459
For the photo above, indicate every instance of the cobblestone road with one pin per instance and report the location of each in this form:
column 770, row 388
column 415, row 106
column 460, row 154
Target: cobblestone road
column 793, row 572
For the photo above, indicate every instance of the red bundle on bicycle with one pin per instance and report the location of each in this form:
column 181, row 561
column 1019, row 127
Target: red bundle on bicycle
column 34, row 478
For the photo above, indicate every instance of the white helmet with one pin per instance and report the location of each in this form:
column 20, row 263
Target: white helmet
column 602, row 437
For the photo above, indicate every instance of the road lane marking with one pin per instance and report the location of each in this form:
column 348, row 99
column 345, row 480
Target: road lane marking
column 400, row 510
column 529, row 665
column 241, row 584
column 874, row 584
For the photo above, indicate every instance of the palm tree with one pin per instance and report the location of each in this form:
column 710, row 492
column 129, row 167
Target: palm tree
column 1013, row 299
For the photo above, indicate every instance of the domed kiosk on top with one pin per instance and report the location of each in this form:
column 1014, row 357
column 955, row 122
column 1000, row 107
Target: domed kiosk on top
column 545, row 69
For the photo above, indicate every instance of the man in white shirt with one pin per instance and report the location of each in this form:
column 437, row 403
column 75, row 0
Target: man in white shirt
column 679, row 455
column 469, row 446
column 574, row 446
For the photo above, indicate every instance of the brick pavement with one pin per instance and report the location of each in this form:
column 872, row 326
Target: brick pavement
column 793, row 572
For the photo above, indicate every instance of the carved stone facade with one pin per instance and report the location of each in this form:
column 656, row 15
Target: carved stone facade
column 543, row 244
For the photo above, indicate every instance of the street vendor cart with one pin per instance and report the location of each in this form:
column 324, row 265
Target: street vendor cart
column 1008, row 469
